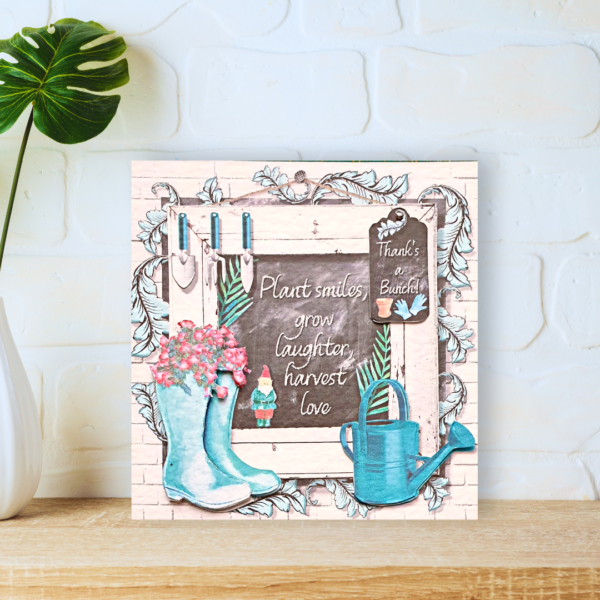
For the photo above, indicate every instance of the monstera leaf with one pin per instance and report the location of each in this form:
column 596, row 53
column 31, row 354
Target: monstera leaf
column 53, row 76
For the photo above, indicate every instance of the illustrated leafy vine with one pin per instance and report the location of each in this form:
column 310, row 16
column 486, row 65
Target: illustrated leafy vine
column 434, row 491
column 273, row 178
column 211, row 192
column 156, row 226
column 147, row 308
column 450, row 407
column 361, row 185
column 358, row 188
column 286, row 499
column 343, row 496
column 452, row 330
column 145, row 394
column 453, row 238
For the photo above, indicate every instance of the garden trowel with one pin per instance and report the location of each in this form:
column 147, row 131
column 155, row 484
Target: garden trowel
column 183, row 266
column 247, row 259
column 213, row 258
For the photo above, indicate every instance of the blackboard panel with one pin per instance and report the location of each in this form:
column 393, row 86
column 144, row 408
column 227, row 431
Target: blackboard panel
column 348, row 329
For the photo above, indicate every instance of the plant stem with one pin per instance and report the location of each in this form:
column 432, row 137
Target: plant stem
column 13, row 191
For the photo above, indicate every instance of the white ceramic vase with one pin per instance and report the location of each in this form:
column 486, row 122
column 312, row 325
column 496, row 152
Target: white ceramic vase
column 20, row 429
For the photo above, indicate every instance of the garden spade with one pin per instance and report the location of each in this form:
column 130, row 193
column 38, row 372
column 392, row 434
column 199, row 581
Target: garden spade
column 183, row 265
column 213, row 257
column 247, row 262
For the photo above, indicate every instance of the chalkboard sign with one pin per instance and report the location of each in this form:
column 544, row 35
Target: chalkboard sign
column 310, row 324
column 399, row 279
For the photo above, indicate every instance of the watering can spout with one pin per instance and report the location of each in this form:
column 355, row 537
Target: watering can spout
column 459, row 438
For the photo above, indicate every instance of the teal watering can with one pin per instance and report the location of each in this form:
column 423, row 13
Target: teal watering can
column 386, row 452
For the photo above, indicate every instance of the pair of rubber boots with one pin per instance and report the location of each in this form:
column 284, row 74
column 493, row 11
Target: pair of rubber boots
column 201, row 466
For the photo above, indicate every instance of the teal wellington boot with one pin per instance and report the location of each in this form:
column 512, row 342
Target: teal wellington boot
column 217, row 439
column 188, row 472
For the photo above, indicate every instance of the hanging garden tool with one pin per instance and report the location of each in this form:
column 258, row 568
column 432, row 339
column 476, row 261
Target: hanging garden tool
column 213, row 257
column 183, row 266
column 247, row 260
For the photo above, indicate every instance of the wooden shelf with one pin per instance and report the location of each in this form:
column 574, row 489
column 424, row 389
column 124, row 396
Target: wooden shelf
column 79, row 549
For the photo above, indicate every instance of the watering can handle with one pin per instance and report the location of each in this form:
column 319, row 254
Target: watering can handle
column 345, row 446
column 364, row 403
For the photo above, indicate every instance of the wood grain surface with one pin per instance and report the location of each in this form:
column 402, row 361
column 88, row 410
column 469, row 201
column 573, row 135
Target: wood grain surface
column 79, row 549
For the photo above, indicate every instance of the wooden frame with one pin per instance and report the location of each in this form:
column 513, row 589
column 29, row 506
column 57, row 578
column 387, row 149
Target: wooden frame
column 314, row 452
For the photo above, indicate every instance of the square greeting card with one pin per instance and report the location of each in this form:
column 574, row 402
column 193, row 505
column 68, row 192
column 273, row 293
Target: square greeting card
column 304, row 340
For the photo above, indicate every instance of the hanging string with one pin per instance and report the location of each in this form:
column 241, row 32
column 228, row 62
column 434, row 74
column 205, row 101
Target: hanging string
column 300, row 177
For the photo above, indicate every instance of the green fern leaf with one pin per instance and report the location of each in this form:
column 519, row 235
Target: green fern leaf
column 233, row 300
column 377, row 367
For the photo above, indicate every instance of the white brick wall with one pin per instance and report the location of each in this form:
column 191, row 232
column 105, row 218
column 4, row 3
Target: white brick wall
column 515, row 87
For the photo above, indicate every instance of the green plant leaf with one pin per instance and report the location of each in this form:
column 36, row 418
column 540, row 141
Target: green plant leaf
column 52, row 78
column 233, row 299
column 377, row 367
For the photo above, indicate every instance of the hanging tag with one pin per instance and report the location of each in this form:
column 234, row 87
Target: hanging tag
column 399, row 278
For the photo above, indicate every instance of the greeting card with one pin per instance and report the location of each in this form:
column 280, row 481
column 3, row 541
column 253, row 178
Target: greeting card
column 304, row 340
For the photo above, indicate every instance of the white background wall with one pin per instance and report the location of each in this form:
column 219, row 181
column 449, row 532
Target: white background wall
column 515, row 86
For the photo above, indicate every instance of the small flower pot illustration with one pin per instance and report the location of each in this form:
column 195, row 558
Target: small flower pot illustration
column 384, row 306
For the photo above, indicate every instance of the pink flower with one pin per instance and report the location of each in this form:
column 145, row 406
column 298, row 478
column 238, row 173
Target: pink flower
column 239, row 378
column 161, row 377
column 221, row 391
column 200, row 351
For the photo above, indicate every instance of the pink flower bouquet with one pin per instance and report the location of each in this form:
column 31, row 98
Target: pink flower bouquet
column 201, row 352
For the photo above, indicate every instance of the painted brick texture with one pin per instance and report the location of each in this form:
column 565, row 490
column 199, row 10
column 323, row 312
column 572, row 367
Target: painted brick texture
column 515, row 87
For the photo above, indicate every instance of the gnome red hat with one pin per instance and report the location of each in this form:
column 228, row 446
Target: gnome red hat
column 265, row 377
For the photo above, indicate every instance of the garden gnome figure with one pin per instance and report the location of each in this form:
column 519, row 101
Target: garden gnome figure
column 263, row 399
